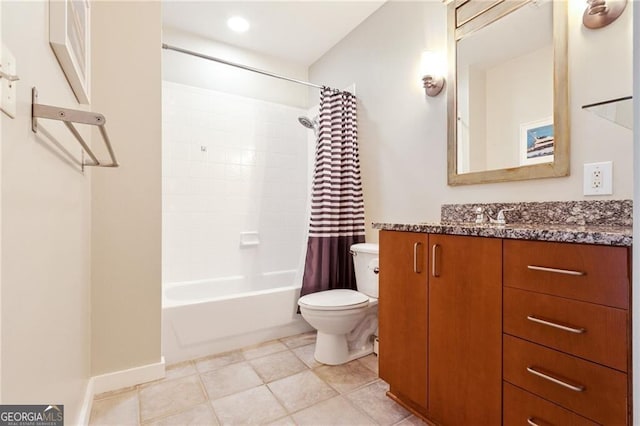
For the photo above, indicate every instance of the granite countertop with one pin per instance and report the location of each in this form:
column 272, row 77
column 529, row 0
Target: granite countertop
column 587, row 234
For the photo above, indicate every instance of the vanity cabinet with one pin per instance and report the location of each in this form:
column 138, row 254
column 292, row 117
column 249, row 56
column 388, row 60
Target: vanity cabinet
column 566, row 333
column 493, row 331
column 402, row 313
column 465, row 330
column 440, row 325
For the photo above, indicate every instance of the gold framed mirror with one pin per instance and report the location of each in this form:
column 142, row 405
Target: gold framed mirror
column 508, row 97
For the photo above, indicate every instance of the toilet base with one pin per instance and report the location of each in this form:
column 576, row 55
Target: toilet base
column 332, row 349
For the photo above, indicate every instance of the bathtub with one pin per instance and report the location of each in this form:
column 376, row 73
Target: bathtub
column 206, row 317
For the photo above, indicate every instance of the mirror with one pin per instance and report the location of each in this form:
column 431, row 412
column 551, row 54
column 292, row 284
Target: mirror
column 507, row 97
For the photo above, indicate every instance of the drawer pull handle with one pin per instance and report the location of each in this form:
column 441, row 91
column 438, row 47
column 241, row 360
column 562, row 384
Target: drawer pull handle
column 557, row 271
column 548, row 376
column 556, row 325
column 415, row 258
column 531, row 421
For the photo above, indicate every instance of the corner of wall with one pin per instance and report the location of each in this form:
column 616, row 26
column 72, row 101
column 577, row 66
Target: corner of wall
column 126, row 204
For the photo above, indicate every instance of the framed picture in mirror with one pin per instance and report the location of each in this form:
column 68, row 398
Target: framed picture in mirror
column 537, row 142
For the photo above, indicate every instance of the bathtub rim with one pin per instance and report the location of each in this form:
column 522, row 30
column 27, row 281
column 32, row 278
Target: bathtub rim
column 166, row 304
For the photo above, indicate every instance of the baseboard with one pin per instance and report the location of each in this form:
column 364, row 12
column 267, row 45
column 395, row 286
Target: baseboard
column 126, row 378
column 87, row 403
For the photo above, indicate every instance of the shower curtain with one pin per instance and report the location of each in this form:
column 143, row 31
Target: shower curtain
column 337, row 206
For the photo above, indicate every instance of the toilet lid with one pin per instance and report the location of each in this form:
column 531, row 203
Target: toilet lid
column 333, row 300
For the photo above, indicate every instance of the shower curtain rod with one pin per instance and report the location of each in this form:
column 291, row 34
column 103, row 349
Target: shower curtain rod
column 244, row 67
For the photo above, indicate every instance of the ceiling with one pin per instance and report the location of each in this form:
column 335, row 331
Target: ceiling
column 297, row 31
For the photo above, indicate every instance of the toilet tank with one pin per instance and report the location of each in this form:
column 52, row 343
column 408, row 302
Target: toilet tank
column 365, row 262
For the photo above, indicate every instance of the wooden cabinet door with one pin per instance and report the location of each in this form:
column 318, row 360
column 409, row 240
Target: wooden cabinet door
column 465, row 330
column 402, row 316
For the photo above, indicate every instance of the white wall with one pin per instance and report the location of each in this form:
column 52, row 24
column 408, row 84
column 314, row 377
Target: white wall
column 518, row 91
column 126, row 205
column 251, row 178
column 46, row 231
column 474, row 123
column 194, row 71
column 402, row 133
column 1, row 132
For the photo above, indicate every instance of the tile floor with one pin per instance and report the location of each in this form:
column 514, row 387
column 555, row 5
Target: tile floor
column 275, row 383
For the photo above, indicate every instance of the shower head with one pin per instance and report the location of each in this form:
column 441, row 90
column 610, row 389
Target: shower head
column 307, row 122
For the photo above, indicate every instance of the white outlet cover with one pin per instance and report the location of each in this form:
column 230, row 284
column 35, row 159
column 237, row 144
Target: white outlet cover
column 8, row 91
column 605, row 169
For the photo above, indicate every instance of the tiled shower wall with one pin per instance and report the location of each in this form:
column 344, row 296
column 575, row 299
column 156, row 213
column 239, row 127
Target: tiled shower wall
column 231, row 164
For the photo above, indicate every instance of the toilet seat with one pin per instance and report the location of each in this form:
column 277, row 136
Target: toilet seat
column 334, row 300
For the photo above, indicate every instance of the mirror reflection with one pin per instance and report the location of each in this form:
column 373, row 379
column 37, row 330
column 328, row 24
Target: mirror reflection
column 504, row 74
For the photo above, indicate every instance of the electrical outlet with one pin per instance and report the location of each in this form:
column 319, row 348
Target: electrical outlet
column 598, row 178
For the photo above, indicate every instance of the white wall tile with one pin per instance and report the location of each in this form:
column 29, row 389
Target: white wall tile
column 252, row 177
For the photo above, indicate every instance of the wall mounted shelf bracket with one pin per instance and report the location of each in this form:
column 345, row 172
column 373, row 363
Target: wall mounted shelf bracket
column 69, row 117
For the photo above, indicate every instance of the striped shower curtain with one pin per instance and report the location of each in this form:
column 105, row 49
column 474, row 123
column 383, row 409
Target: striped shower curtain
column 337, row 206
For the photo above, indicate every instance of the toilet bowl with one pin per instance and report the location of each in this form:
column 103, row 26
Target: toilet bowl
column 346, row 320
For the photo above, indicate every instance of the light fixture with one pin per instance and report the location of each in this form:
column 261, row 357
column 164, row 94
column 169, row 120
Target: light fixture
column 238, row 24
column 432, row 73
column 600, row 13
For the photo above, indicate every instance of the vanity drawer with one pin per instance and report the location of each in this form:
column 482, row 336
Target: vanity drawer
column 598, row 274
column 595, row 332
column 521, row 408
column 597, row 392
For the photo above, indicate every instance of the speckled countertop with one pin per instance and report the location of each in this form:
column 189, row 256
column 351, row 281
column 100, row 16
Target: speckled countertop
column 586, row 234
column 605, row 222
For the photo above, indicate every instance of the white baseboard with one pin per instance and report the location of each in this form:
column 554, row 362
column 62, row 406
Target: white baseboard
column 87, row 402
column 117, row 380
column 131, row 377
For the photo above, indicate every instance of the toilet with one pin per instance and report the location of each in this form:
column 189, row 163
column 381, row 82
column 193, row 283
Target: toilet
column 346, row 320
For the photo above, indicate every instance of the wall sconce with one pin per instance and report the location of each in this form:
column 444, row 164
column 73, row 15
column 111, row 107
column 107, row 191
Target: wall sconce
column 600, row 13
column 432, row 73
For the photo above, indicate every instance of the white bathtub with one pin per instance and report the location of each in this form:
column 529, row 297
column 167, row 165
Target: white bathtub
column 205, row 317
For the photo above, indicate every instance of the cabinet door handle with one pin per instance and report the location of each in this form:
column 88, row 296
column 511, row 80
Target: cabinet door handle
column 550, row 377
column 553, row 324
column 555, row 270
column 415, row 258
column 434, row 260
column 532, row 421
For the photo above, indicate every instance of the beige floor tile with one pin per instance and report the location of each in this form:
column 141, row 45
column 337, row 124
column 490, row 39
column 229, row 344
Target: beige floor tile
column 182, row 369
column 118, row 410
column 200, row 415
column 285, row 421
column 301, row 390
column 372, row 400
column 170, row 397
column 216, row 361
column 263, row 349
column 346, row 377
column 335, row 411
column 305, row 353
column 371, row 362
column 411, row 421
column 299, row 340
column 229, row 380
column 251, row 407
column 278, row 365
column 174, row 371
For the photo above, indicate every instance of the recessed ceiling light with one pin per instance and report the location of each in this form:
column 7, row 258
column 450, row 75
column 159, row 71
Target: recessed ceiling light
column 238, row 24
